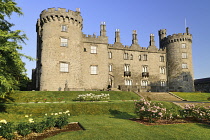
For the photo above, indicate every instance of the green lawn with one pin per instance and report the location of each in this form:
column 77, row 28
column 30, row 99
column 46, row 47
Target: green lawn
column 102, row 120
column 67, row 96
column 109, row 127
column 193, row 96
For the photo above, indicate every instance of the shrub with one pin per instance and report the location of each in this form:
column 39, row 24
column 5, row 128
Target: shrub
column 149, row 110
column 196, row 112
column 24, row 128
column 38, row 127
column 61, row 121
column 50, row 121
column 208, row 98
column 6, row 130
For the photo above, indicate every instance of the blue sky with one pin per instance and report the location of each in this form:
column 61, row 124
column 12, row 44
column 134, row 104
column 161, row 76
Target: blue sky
column 145, row 16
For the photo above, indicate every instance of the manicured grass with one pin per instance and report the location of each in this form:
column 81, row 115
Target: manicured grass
column 68, row 96
column 193, row 96
column 75, row 108
column 108, row 127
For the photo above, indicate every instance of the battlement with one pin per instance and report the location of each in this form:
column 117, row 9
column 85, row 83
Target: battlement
column 139, row 49
column 94, row 39
column 179, row 37
column 53, row 14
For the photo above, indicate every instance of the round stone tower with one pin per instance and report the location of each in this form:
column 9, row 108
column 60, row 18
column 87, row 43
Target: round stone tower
column 59, row 35
column 179, row 60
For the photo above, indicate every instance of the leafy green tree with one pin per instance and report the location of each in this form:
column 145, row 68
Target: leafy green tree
column 12, row 68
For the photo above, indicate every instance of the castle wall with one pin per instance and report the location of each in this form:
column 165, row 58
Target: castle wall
column 99, row 80
column 136, row 65
column 71, row 60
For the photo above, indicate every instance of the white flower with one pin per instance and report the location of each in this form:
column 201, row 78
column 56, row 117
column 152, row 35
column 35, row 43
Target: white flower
column 45, row 114
column 26, row 116
column 3, row 121
column 52, row 113
column 60, row 113
column 56, row 113
column 31, row 120
column 69, row 114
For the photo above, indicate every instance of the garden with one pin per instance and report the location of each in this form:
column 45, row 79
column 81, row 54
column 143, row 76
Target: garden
column 99, row 115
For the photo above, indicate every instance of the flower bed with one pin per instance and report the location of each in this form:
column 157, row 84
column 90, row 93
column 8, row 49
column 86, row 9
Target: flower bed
column 155, row 112
column 92, row 97
column 55, row 120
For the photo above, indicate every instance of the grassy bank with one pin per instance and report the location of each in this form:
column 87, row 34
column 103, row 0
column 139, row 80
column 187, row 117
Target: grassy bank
column 194, row 96
column 67, row 96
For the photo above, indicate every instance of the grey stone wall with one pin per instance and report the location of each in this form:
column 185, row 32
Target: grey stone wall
column 77, row 54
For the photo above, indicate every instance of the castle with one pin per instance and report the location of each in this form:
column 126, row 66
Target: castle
column 69, row 60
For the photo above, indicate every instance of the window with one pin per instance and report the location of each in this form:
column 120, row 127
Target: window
column 145, row 57
column 64, row 28
column 162, row 70
column 144, row 69
column 64, row 67
column 184, row 55
column 131, row 57
column 126, row 56
column 183, row 46
column 184, row 66
column 93, row 49
column 64, row 42
column 162, row 83
column 126, row 67
column 110, row 55
column 161, row 58
column 93, row 69
column 139, row 57
column 128, row 82
column 185, row 78
column 144, row 83
column 110, row 67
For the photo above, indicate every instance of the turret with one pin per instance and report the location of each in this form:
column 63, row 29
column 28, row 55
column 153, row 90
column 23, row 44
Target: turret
column 179, row 61
column 59, row 33
column 162, row 36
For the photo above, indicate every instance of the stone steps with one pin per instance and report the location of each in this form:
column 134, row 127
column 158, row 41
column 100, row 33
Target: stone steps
column 159, row 96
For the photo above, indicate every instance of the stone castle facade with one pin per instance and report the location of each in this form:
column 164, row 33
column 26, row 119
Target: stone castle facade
column 67, row 59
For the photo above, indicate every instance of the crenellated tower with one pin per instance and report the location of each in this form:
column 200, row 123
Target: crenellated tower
column 59, row 33
column 179, row 60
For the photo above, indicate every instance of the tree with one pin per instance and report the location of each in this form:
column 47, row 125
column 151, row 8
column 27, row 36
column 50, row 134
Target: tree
column 12, row 68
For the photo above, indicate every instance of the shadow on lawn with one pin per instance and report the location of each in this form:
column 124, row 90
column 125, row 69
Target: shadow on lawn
column 3, row 101
column 120, row 115
column 207, row 126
